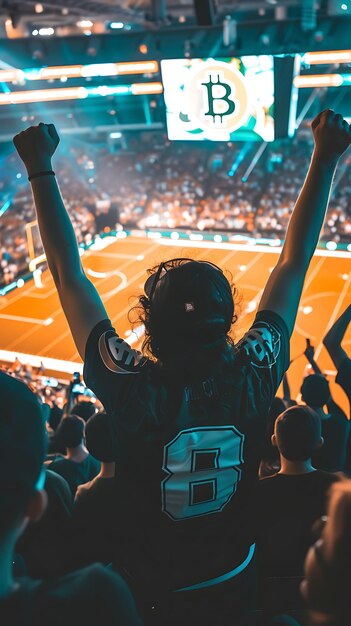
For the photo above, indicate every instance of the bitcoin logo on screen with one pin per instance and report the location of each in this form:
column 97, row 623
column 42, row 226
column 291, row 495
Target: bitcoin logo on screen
column 217, row 97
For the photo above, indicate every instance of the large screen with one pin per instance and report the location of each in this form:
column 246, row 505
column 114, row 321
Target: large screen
column 219, row 99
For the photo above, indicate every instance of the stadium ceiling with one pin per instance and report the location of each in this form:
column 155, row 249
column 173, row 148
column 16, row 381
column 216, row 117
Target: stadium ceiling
column 26, row 15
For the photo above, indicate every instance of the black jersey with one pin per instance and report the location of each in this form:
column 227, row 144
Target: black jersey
column 185, row 469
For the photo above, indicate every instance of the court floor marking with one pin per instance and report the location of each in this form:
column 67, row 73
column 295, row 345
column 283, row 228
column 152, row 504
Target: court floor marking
column 208, row 248
column 126, row 309
column 31, row 331
column 310, row 278
column 42, row 296
column 225, row 260
column 121, row 313
column 316, row 296
column 235, row 278
column 119, row 255
column 59, row 310
column 76, row 365
column 57, row 365
column 273, row 249
column 30, row 320
column 334, row 315
column 107, row 296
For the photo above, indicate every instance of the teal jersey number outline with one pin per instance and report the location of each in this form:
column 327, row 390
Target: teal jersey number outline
column 203, row 467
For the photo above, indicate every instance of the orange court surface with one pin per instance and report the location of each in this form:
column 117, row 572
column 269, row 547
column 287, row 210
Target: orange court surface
column 32, row 322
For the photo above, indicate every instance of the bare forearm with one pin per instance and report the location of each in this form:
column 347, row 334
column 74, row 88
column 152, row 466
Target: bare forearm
column 313, row 364
column 55, row 227
column 308, row 216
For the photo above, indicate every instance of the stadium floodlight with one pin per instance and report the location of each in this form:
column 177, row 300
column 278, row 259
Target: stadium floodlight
column 327, row 57
column 43, row 95
column 331, row 245
column 85, row 24
column 77, row 71
column 318, row 80
column 46, row 32
column 75, row 93
column 146, row 88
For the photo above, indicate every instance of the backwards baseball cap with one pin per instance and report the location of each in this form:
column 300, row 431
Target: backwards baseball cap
column 190, row 301
column 315, row 390
column 23, row 445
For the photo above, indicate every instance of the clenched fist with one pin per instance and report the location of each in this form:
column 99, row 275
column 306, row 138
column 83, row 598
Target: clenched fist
column 332, row 134
column 36, row 145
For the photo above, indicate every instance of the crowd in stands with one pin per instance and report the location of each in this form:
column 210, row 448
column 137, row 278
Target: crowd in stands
column 192, row 495
column 301, row 506
column 155, row 184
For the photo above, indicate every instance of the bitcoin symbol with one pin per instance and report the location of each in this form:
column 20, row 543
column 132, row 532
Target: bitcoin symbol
column 216, row 98
column 213, row 99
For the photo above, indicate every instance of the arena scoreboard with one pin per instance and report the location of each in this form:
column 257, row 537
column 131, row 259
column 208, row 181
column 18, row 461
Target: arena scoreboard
column 227, row 99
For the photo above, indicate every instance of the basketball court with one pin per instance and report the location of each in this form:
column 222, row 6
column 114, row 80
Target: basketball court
column 33, row 326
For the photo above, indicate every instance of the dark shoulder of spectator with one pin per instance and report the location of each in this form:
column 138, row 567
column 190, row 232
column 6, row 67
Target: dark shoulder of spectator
column 90, row 596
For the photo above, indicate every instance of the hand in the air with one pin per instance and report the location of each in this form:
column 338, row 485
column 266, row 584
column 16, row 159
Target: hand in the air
column 36, row 145
column 332, row 134
column 309, row 352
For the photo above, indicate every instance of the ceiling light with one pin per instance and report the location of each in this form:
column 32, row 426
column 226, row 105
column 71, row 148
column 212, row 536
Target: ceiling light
column 45, row 32
column 84, row 24
column 116, row 25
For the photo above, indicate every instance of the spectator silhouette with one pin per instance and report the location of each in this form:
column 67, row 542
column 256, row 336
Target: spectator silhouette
column 77, row 466
column 331, row 457
column 95, row 513
column 326, row 588
column 287, row 506
column 92, row 595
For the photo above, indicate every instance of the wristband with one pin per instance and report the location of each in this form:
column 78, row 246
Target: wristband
column 46, row 173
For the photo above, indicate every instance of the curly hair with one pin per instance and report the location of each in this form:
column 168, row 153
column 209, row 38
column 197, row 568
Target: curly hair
column 153, row 348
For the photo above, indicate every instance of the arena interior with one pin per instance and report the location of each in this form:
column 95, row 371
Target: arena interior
column 185, row 132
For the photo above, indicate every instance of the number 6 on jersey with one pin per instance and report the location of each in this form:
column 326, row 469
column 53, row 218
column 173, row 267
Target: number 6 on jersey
column 203, row 467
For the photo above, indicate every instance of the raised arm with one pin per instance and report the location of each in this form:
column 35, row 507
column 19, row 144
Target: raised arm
column 309, row 354
column 332, row 136
column 334, row 337
column 80, row 301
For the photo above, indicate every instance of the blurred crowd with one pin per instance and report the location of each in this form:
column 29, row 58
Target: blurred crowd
column 152, row 183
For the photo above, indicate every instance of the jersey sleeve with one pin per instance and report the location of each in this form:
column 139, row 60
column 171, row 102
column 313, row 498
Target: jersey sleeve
column 112, row 367
column 265, row 349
